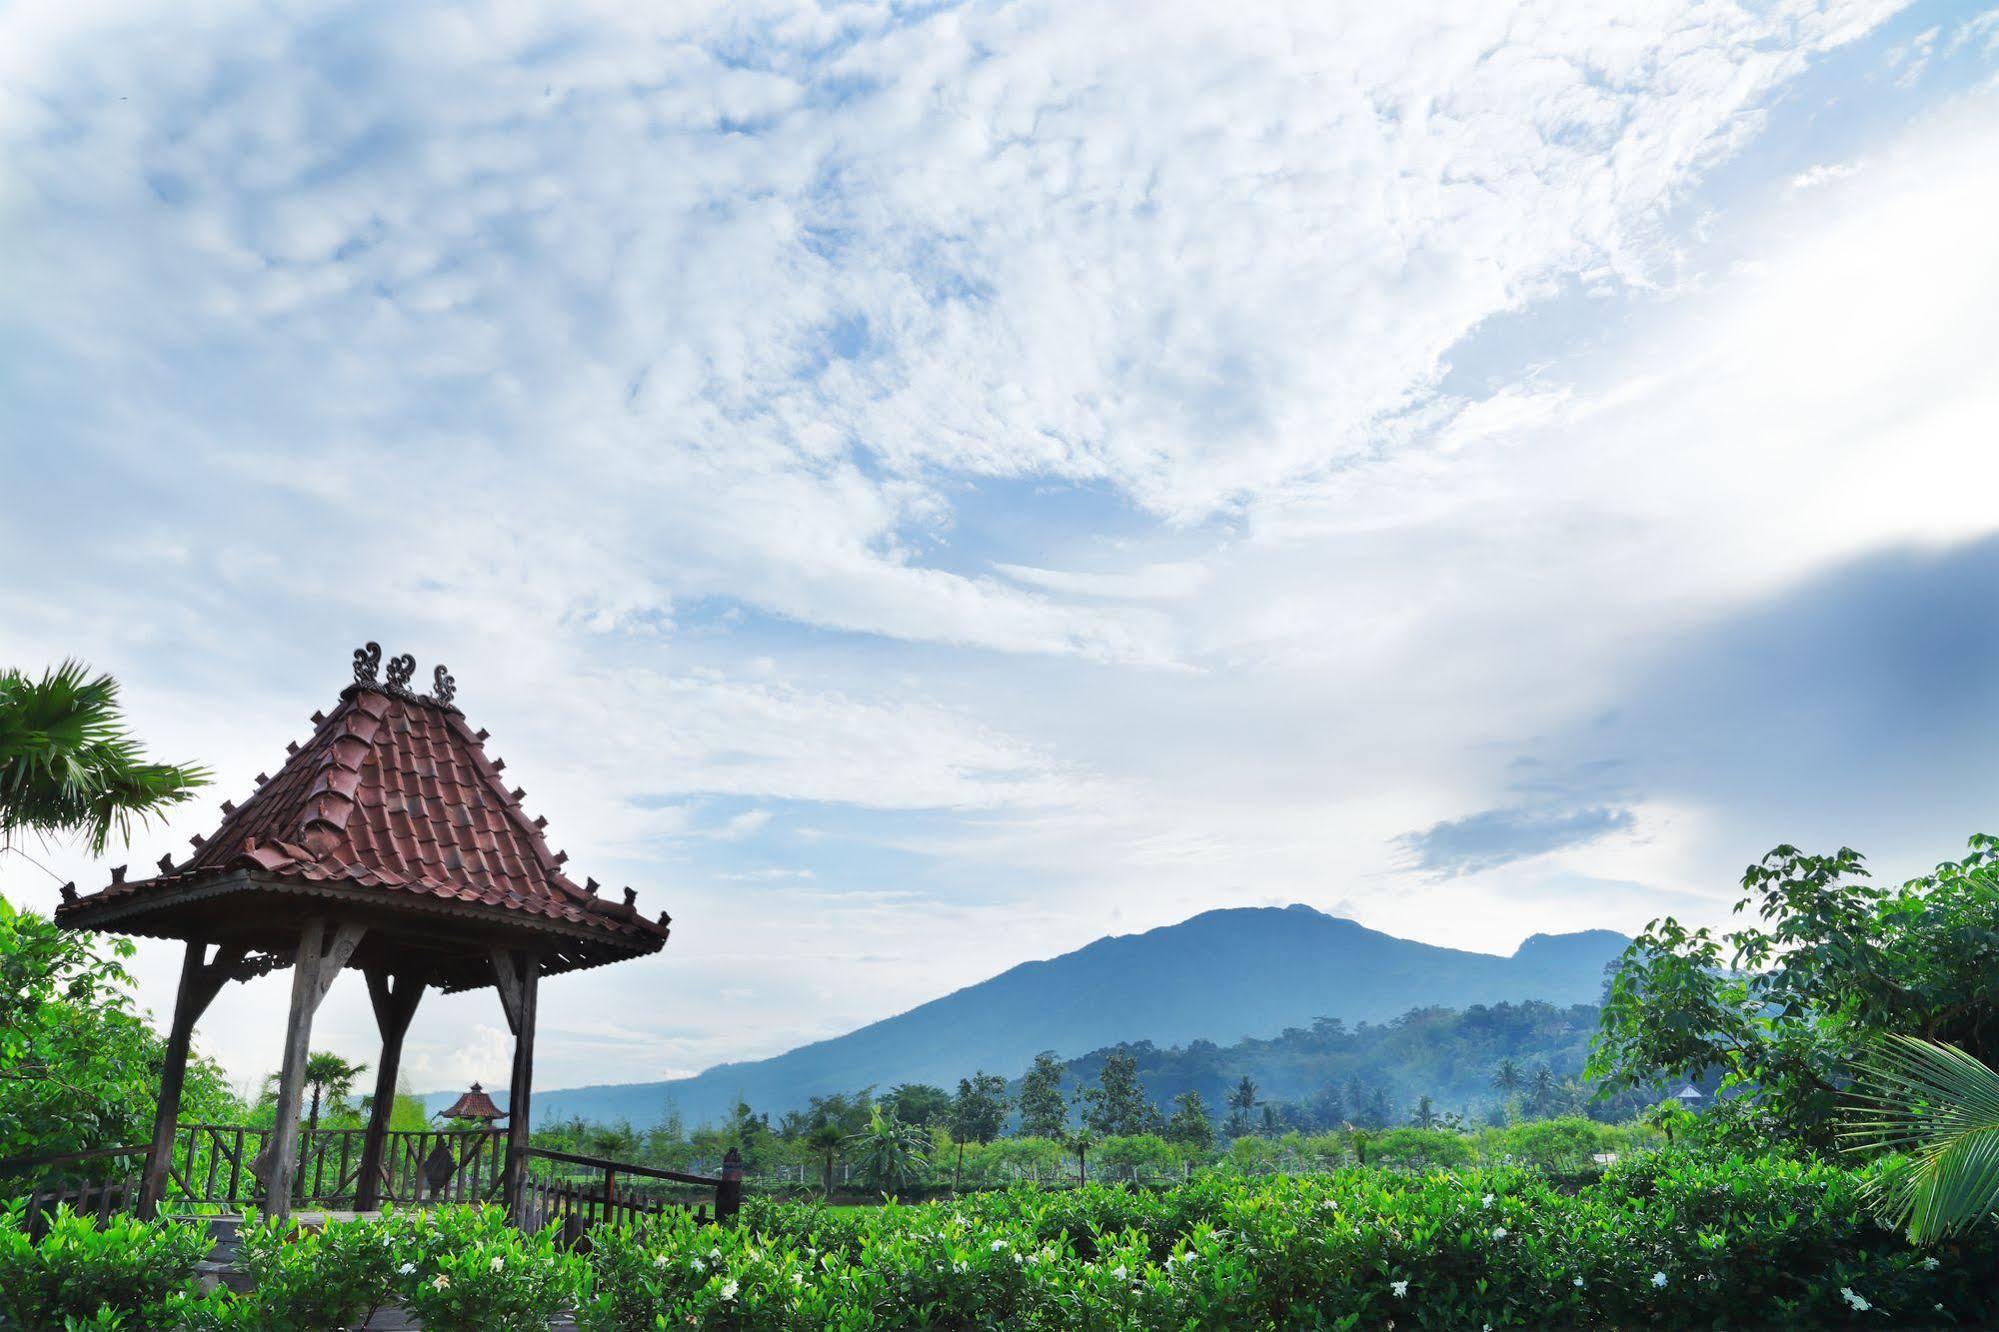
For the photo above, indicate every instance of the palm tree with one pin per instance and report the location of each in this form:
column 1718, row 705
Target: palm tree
column 1940, row 1106
column 327, row 1076
column 1080, row 1143
column 888, row 1151
column 826, row 1141
column 1542, row 1088
column 1506, row 1077
column 68, row 766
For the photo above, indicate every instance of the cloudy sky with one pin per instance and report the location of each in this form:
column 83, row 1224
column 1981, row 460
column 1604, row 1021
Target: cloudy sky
column 915, row 488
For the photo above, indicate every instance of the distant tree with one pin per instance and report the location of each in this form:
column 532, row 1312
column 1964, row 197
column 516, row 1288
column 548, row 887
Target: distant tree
column 918, row 1103
column 1043, row 1112
column 1117, row 1105
column 1426, row 1115
column 1190, row 1126
column 1327, row 1109
column 1242, row 1100
column 1506, row 1077
column 68, row 766
column 1543, row 1091
column 1271, row 1120
column 978, row 1113
column 328, row 1078
column 1080, row 1143
column 825, row 1141
column 1380, row 1109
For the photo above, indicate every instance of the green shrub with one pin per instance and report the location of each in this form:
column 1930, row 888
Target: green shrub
column 307, row 1280
column 464, row 1269
column 120, row 1273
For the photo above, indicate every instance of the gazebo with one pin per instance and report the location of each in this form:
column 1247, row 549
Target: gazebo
column 474, row 1107
column 388, row 842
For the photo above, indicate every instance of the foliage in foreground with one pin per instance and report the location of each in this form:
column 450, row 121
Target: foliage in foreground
column 122, row 1273
column 1832, row 965
column 1941, row 1106
column 1669, row 1240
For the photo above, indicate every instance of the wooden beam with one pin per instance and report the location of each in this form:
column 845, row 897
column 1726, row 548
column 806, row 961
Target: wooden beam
column 507, row 980
column 522, row 973
column 200, row 981
column 321, row 955
column 394, row 1007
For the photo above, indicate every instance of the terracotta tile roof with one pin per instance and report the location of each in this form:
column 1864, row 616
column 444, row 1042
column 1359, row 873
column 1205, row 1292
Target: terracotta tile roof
column 475, row 1104
column 394, row 792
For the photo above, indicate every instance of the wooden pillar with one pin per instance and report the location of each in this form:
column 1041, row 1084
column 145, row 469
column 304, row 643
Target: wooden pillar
column 320, row 958
column 517, row 974
column 729, row 1193
column 200, row 980
column 394, row 1007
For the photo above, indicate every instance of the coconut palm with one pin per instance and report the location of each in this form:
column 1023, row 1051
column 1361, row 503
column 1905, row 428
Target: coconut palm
column 1506, row 1077
column 68, row 766
column 1940, row 1106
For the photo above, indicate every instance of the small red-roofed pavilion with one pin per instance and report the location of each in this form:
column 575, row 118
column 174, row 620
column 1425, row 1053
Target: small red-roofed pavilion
column 388, row 843
column 474, row 1106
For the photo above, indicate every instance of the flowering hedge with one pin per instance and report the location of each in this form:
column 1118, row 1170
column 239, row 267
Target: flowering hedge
column 1669, row 1240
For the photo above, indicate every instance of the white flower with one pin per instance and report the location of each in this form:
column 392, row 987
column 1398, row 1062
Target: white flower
column 729, row 1291
column 1579, row 1283
column 798, row 1278
column 1118, row 1272
column 659, row 1261
column 1485, row 1201
column 1859, row 1302
column 1658, row 1278
column 499, row 1264
column 697, row 1264
column 443, row 1282
column 1929, row 1264
column 1499, row 1232
column 1401, row 1288
column 998, row 1245
column 715, row 1255
column 407, row 1269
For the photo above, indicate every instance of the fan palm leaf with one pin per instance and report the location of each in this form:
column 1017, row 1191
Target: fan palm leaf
column 1940, row 1107
column 67, row 764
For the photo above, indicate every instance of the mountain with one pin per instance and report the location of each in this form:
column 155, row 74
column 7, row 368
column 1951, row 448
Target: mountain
column 1219, row 976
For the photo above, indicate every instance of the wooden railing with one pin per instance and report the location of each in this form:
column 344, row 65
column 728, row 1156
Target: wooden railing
column 97, row 1183
column 581, row 1192
column 220, row 1164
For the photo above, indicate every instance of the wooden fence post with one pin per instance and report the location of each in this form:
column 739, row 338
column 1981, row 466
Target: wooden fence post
column 729, row 1193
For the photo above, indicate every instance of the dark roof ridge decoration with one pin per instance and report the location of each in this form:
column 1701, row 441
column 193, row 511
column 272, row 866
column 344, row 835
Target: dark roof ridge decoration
column 444, row 687
column 393, row 798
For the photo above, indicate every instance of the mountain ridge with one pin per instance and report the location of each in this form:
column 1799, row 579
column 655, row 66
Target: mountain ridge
column 1221, row 975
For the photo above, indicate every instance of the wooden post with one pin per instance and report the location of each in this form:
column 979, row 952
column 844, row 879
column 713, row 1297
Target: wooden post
column 320, row 959
column 200, row 981
column 517, row 974
column 393, row 1010
column 729, row 1193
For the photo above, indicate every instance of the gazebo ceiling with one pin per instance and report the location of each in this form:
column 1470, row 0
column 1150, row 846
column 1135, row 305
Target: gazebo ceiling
column 392, row 815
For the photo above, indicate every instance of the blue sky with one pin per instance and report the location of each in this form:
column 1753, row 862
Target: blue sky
column 916, row 488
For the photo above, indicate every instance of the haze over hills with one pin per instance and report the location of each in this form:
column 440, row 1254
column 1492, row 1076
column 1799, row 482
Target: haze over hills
column 1219, row 976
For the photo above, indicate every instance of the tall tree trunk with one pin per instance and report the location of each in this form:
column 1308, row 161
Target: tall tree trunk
column 959, row 1169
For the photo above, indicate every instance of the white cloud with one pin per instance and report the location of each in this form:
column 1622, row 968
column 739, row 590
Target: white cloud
column 1073, row 452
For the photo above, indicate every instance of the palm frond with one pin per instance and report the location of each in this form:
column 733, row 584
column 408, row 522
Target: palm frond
column 1939, row 1106
column 67, row 764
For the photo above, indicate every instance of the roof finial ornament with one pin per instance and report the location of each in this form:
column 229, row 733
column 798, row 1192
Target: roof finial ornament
column 401, row 668
column 442, row 687
column 366, row 659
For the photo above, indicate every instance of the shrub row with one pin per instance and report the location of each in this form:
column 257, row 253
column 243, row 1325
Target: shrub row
column 1665, row 1241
